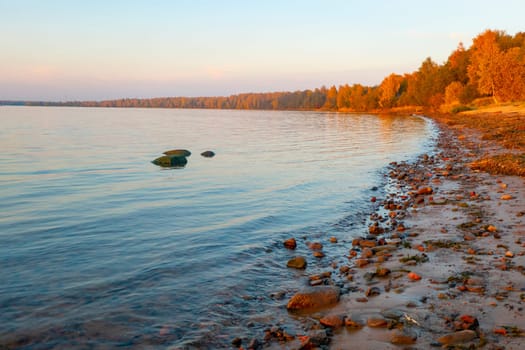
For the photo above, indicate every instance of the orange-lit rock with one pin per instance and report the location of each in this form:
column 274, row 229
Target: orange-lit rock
column 313, row 298
column 290, row 243
column 414, row 276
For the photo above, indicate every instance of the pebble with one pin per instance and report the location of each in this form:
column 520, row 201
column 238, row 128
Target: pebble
column 290, row 243
column 457, row 337
column 332, row 321
column 368, row 243
column 361, row 262
column 315, row 297
column 318, row 254
column 403, row 337
column 509, row 254
column 506, row 197
column 469, row 236
column 237, row 342
column 425, row 191
column 315, row 245
column 297, row 262
column 373, row 291
column 333, row 239
column 353, row 323
column 314, row 283
column 377, row 322
column 317, row 338
column 382, row 272
column 414, row 276
column 367, row 253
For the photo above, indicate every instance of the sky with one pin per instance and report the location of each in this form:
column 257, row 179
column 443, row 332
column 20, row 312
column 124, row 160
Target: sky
column 64, row 50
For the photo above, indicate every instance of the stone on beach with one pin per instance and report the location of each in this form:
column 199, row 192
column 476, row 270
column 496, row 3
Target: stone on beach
column 377, row 322
column 382, row 272
column 425, row 191
column 457, row 337
column 367, row 243
column 332, row 321
column 373, row 291
column 361, row 262
column 367, row 253
column 314, row 298
column 414, row 276
column 297, row 262
column 403, row 337
column 354, row 323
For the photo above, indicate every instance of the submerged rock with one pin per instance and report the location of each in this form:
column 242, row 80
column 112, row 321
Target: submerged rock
column 178, row 152
column 316, row 297
column 208, row 154
column 171, row 161
column 297, row 262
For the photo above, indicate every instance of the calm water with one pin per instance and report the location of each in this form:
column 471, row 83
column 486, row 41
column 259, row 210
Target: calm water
column 100, row 248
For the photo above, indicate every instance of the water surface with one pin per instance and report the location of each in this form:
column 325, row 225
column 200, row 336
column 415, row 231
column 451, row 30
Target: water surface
column 99, row 248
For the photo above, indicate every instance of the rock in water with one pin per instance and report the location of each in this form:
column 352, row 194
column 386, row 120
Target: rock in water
column 208, row 154
column 297, row 262
column 178, row 152
column 290, row 243
column 171, row 161
column 312, row 298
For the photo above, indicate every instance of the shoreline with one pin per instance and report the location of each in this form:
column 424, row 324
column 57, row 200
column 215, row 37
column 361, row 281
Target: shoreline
column 442, row 264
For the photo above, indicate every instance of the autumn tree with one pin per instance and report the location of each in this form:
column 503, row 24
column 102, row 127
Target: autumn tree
column 453, row 93
column 331, row 99
column 389, row 90
column 458, row 63
column 498, row 65
column 484, row 63
column 509, row 78
column 343, row 97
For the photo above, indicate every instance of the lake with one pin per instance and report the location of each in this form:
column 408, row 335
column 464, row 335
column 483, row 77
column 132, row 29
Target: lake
column 100, row 248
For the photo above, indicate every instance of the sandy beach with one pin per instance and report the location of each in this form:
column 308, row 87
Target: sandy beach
column 442, row 264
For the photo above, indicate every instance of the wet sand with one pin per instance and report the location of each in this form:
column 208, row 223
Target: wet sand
column 442, row 265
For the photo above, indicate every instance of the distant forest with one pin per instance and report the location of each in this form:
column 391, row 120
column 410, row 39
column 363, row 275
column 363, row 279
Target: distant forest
column 491, row 70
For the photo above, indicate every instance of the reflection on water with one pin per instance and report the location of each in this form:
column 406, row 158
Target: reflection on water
column 100, row 248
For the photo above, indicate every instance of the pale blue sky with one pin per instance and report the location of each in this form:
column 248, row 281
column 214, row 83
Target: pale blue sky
column 83, row 50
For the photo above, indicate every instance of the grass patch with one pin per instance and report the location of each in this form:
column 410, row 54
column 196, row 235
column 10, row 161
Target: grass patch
column 460, row 278
column 508, row 129
column 505, row 164
column 460, row 108
column 443, row 244
column 467, row 225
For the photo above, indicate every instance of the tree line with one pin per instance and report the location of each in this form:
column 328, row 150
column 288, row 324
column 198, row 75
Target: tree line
column 491, row 69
